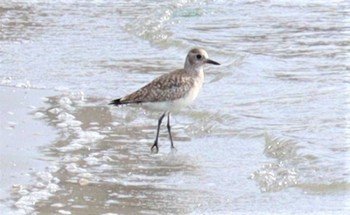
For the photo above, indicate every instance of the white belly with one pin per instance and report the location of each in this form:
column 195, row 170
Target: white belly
column 176, row 105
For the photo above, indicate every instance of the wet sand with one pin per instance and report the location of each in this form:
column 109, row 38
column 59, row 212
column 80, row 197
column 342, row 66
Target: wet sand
column 65, row 155
column 21, row 138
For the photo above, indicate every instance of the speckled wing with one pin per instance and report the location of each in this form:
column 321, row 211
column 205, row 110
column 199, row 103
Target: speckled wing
column 171, row 86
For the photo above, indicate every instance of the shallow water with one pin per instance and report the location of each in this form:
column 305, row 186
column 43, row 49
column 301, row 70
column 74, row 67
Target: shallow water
column 268, row 133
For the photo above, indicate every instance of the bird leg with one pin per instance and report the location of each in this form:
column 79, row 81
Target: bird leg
column 169, row 130
column 155, row 147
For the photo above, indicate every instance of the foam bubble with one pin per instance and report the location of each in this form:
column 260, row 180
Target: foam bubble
column 112, row 201
column 64, row 212
column 69, row 158
column 40, row 185
column 39, row 115
column 44, row 176
column 65, row 101
column 28, row 202
column 55, row 110
column 65, row 116
column 83, row 182
column 57, row 205
column 85, row 137
column 73, row 168
column 52, row 168
column 91, row 161
column 62, row 125
column 26, row 84
column 52, row 188
column 107, row 158
column 74, row 123
column 106, row 167
column 85, row 175
column 6, row 80
column 71, row 147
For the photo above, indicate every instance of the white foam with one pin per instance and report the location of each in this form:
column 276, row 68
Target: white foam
column 28, row 202
column 115, row 123
column 85, row 137
column 62, row 125
column 40, row 185
column 65, row 101
column 57, row 205
column 91, row 161
column 68, row 158
column 52, row 168
column 112, row 201
column 6, row 80
column 85, row 175
column 26, row 84
column 73, row 168
column 55, row 110
column 16, row 187
column 12, row 124
column 71, row 147
column 64, row 116
column 83, row 182
column 55, row 180
column 39, row 115
column 77, row 138
column 44, row 176
column 106, row 167
column 52, row 188
column 107, row 158
column 61, row 88
column 74, row 123
column 64, row 212
column 91, row 135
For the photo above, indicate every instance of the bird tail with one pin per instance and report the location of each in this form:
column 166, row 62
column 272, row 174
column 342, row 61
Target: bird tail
column 117, row 102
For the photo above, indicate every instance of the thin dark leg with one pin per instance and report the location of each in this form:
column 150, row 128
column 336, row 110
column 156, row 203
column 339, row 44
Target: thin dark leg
column 169, row 130
column 155, row 147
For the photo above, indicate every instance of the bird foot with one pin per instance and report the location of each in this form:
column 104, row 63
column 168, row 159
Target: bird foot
column 155, row 148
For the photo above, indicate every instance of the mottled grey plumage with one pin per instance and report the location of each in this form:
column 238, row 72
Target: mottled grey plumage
column 170, row 86
column 173, row 90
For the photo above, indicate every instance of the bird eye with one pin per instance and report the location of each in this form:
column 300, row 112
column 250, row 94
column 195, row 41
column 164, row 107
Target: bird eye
column 199, row 56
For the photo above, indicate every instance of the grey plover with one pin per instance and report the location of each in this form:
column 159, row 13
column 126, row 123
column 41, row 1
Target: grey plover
column 171, row 91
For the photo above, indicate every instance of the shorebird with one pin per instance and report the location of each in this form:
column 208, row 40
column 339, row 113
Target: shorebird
column 172, row 91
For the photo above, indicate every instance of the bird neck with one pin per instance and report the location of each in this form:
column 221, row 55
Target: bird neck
column 193, row 69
